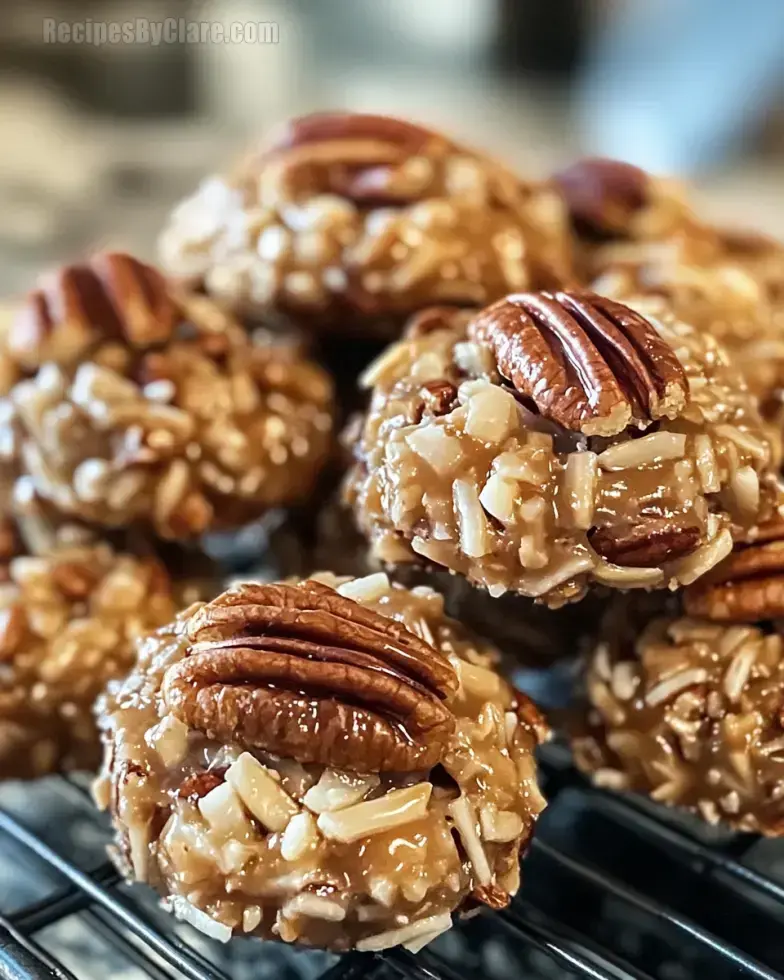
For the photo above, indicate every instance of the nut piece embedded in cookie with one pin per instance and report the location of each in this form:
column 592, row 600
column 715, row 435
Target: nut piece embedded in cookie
column 591, row 365
column 687, row 710
column 350, row 222
column 554, row 440
column 646, row 544
column 68, row 620
column 140, row 403
column 307, row 734
column 748, row 586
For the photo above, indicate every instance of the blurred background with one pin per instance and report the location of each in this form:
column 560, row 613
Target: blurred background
column 100, row 140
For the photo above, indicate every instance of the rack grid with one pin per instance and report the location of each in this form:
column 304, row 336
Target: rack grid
column 613, row 887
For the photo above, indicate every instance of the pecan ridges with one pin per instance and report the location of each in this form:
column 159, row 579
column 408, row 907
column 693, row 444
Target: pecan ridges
column 354, row 155
column 748, row 586
column 112, row 295
column 588, row 363
column 304, row 672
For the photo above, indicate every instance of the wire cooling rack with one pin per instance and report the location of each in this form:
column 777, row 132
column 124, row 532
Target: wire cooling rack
column 613, row 887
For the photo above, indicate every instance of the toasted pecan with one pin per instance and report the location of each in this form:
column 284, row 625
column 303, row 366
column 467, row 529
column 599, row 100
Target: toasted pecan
column 430, row 319
column 305, row 672
column 439, row 396
column 199, row 784
column 648, row 544
column 586, row 362
column 320, row 126
column 603, row 195
column 748, row 586
column 353, row 155
column 110, row 295
column 492, row 895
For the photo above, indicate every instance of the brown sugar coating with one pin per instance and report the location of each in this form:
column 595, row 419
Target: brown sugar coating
column 350, row 222
column 143, row 404
column 554, row 440
column 331, row 762
column 688, row 710
column 68, row 622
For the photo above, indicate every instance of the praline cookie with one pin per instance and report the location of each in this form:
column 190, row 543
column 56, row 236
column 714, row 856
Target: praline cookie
column 332, row 762
column 558, row 440
column 347, row 223
column 68, row 621
column 685, row 701
column 141, row 404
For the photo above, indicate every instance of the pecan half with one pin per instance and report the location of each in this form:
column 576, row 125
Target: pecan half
column 354, row 155
column 111, row 295
column 603, row 195
column 320, row 126
column 646, row 545
column 586, row 362
column 748, row 586
column 304, row 672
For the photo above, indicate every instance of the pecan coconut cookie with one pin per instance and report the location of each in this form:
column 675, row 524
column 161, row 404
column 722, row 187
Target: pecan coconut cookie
column 143, row 404
column 554, row 440
column 349, row 222
column 727, row 283
column 68, row 621
column 331, row 762
column 687, row 705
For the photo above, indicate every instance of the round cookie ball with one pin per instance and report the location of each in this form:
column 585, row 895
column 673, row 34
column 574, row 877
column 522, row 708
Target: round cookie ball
column 347, row 223
column 727, row 283
column 142, row 404
column 685, row 697
column 688, row 712
column 555, row 440
column 68, row 622
column 331, row 762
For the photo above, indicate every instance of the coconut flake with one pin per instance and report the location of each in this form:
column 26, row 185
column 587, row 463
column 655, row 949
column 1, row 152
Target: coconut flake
column 186, row 912
column 336, row 790
column 399, row 807
column 465, row 822
column 260, row 792
column 431, row 927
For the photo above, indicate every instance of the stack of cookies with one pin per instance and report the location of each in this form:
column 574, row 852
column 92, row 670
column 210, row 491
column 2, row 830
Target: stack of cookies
column 563, row 413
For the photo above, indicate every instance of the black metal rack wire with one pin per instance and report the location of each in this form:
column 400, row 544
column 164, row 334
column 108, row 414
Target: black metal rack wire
column 614, row 887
